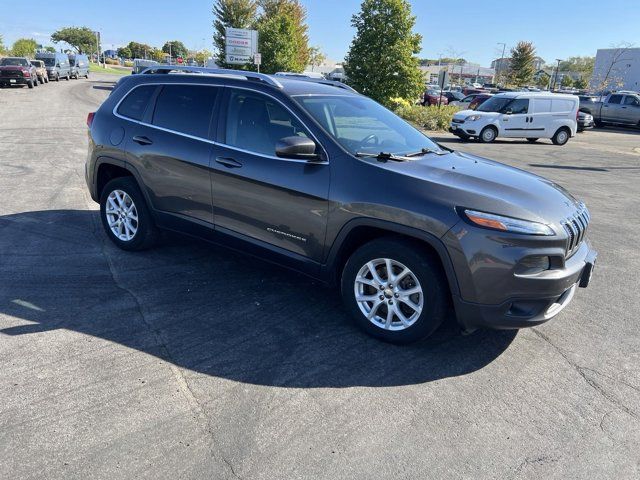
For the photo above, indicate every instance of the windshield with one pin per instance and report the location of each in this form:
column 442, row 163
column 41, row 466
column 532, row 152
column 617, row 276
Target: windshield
column 494, row 104
column 49, row 62
column 20, row 62
column 361, row 125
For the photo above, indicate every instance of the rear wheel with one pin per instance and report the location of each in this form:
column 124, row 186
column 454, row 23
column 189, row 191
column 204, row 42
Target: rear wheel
column 125, row 216
column 532, row 140
column 57, row 78
column 394, row 291
column 561, row 136
column 488, row 134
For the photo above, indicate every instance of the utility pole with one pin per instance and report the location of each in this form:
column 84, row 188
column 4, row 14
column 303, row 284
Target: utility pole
column 499, row 69
column 170, row 56
column 555, row 78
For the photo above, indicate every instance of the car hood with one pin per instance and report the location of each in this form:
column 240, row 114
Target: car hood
column 462, row 180
column 462, row 114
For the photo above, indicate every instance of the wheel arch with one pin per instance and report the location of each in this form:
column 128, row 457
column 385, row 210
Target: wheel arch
column 108, row 168
column 359, row 231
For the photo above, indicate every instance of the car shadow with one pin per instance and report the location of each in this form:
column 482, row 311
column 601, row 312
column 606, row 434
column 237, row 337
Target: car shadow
column 208, row 309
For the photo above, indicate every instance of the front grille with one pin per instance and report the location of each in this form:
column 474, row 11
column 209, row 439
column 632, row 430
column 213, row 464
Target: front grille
column 576, row 228
column 12, row 73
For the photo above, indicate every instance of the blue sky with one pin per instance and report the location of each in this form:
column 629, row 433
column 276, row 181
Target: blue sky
column 558, row 28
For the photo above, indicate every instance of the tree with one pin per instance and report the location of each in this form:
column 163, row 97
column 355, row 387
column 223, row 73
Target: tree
column 175, row 48
column 234, row 14
column 581, row 83
column 81, row 39
column 567, row 81
column 2, row 47
column 282, row 36
column 202, row 56
column 124, row 52
column 381, row 61
column 50, row 49
column 24, row 47
column 522, row 65
column 316, row 57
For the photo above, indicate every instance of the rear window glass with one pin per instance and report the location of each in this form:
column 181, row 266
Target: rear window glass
column 185, row 108
column 134, row 104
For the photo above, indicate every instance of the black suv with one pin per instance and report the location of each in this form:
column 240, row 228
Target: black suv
column 318, row 178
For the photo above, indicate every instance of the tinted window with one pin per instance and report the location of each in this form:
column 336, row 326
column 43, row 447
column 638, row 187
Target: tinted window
column 256, row 123
column 520, row 105
column 631, row 101
column 185, row 108
column 134, row 104
column 615, row 99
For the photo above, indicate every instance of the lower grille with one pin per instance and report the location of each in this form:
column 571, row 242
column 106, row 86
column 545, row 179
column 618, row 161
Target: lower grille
column 576, row 228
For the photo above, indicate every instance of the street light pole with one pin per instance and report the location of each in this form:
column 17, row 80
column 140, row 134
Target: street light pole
column 499, row 69
column 555, row 78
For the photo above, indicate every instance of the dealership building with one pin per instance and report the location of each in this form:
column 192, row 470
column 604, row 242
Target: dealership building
column 468, row 72
column 616, row 69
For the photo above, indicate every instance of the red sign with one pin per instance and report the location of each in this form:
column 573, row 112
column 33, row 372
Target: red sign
column 179, row 59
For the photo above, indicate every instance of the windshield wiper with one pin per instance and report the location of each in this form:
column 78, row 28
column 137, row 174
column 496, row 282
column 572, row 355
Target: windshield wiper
column 425, row 151
column 382, row 156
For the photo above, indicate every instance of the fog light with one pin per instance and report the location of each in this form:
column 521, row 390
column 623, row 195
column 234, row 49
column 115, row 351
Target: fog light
column 532, row 265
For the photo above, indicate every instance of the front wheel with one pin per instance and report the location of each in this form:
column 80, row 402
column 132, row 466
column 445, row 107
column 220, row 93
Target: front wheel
column 488, row 134
column 394, row 291
column 560, row 137
column 30, row 83
column 125, row 216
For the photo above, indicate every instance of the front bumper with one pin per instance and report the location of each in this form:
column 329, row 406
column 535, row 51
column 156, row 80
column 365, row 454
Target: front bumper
column 494, row 293
column 14, row 80
column 462, row 129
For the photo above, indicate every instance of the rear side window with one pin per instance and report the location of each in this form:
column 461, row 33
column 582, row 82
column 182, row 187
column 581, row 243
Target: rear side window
column 561, row 106
column 615, row 99
column 185, row 109
column 134, row 104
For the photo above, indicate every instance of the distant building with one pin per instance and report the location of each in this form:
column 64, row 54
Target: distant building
column 616, row 69
column 503, row 64
column 110, row 53
column 465, row 73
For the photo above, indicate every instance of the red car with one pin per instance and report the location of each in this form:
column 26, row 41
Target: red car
column 479, row 100
column 432, row 97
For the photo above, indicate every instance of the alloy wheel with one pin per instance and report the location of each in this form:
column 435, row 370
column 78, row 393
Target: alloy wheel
column 122, row 215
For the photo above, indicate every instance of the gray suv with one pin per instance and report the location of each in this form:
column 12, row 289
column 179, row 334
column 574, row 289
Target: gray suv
column 315, row 177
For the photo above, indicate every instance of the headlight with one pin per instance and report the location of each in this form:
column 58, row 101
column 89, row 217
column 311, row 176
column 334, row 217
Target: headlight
column 473, row 118
column 507, row 224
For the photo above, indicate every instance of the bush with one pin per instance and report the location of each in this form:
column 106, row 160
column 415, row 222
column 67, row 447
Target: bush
column 429, row 118
column 112, row 61
column 128, row 63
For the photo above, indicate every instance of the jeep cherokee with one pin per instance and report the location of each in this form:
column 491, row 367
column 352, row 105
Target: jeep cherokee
column 316, row 177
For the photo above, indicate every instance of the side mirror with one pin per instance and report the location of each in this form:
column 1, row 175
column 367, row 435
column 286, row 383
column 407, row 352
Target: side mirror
column 57, row 65
column 508, row 111
column 302, row 148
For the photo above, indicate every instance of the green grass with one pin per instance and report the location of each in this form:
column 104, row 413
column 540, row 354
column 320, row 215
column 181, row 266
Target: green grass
column 114, row 71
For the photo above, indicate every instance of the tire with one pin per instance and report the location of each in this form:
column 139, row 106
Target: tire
column 424, row 271
column 561, row 137
column 30, row 83
column 532, row 140
column 67, row 78
column 488, row 134
column 57, row 78
column 120, row 190
column 598, row 124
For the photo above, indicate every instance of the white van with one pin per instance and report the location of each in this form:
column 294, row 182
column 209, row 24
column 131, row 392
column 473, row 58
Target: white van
column 530, row 115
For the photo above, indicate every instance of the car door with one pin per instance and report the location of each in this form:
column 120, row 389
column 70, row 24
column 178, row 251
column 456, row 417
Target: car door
column 514, row 120
column 540, row 124
column 258, row 196
column 170, row 147
column 630, row 109
column 612, row 109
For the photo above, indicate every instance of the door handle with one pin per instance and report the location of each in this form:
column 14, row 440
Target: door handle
column 228, row 162
column 142, row 140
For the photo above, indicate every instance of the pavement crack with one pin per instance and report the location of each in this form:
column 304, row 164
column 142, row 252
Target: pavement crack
column 611, row 398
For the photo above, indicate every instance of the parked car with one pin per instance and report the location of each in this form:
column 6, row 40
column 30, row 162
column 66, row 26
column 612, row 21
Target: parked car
column 479, row 99
column 17, row 71
column 41, row 71
column 621, row 108
column 466, row 101
column 294, row 171
column 453, row 96
column 79, row 66
column 585, row 121
column 57, row 65
column 434, row 97
column 520, row 115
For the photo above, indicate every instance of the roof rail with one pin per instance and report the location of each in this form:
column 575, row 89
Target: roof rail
column 322, row 81
column 163, row 69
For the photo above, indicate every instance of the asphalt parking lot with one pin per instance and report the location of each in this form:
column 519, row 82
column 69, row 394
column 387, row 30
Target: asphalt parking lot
column 189, row 361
